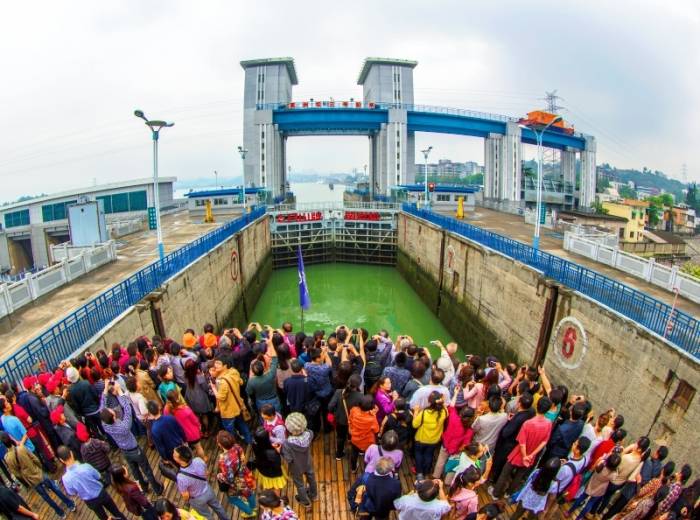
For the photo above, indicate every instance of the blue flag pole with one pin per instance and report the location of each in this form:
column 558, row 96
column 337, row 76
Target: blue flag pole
column 304, row 298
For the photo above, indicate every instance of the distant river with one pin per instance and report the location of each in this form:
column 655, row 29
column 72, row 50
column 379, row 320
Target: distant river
column 317, row 192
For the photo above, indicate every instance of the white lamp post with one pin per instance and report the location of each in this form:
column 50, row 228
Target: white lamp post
column 243, row 151
column 156, row 126
column 538, row 138
column 425, row 153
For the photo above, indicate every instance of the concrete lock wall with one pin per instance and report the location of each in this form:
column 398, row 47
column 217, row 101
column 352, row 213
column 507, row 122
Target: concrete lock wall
column 219, row 288
column 494, row 304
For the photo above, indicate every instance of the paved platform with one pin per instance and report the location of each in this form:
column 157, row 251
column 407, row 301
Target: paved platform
column 133, row 252
column 514, row 226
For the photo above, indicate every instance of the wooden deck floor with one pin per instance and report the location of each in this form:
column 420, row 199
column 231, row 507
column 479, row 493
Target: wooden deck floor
column 333, row 477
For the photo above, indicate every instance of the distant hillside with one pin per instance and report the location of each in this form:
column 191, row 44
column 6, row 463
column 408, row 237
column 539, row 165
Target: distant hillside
column 646, row 178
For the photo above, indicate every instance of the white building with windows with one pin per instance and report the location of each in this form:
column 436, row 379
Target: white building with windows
column 29, row 228
column 225, row 202
column 442, row 197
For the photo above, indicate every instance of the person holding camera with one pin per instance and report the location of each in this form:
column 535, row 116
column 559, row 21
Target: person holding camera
column 119, row 429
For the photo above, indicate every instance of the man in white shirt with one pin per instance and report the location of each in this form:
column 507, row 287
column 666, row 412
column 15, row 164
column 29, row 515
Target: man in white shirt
column 428, row 502
column 420, row 397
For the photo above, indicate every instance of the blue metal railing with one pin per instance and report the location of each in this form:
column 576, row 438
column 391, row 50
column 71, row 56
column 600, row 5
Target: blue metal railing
column 635, row 305
column 62, row 339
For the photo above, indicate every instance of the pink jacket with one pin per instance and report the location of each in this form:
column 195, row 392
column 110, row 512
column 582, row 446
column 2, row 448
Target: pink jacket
column 474, row 396
column 189, row 422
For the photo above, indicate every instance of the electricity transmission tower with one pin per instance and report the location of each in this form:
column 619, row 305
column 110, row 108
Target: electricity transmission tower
column 551, row 98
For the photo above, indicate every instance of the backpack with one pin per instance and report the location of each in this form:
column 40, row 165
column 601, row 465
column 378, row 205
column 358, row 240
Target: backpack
column 572, row 490
column 358, row 500
column 373, row 368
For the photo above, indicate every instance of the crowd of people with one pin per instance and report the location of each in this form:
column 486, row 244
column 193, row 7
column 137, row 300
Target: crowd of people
column 265, row 395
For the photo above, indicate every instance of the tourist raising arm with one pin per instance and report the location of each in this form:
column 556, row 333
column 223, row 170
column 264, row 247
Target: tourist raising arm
column 545, row 380
column 363, row 355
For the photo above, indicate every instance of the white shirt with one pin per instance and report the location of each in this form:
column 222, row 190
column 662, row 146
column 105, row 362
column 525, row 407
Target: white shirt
column 139, row 402
column 420, row 396
column 411, row 507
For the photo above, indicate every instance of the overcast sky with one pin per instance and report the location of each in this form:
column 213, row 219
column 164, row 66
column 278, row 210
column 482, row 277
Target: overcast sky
column 73, row 72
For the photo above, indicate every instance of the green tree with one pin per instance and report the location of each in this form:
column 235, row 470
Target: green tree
column 691, row 269
column 627, row 193
column 598, row 207
column 653, row 212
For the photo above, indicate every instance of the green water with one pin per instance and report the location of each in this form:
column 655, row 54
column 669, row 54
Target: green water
column 372, row 297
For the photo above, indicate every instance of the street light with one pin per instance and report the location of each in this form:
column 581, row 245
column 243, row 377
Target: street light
column 538, row 138
column 425, row 153
column 243, row 151
column 156, row 126
column 216, row 176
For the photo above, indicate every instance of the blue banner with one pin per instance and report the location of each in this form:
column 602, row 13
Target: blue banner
column 304, row 298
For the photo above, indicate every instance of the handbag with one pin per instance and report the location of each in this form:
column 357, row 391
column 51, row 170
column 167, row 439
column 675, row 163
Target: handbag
column 168, row 470
column 312, row 407
column 244, row 409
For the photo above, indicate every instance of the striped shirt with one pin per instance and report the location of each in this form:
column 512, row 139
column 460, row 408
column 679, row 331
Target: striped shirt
column 194, row 486
column 120, row 429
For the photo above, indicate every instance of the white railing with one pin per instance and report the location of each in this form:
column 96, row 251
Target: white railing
column 122, row 228
column 669, row 278
column 72, row 263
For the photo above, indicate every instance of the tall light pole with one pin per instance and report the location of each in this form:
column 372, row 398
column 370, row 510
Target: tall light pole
column 216, row 176
column 243, row 151
column 538, row 138
column 156, row 126
column 425, row 153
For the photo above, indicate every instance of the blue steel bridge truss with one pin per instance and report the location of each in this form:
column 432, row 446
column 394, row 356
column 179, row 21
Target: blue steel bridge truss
column 326, row 120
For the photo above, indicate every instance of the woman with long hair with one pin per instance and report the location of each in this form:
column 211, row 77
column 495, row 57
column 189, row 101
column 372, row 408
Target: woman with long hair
column 429, row 424
column 462, row 496
column 188, row 420
column 532, row 498
column 284, row 372
column 342, row 374
column 274, row 508
column 268, row 462
column 197, row 394
column 475, row 390
column 340, row 405
column 234, row 476
column 166, row 510
column 134, row 498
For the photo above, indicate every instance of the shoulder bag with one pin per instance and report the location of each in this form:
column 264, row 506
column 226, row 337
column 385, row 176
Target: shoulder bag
column 244, row 409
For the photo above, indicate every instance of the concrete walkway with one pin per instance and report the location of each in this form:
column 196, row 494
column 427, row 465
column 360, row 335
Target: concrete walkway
column 133, row 252
column 514, row 226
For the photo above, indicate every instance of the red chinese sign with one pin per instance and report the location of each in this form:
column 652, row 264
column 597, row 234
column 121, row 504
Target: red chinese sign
column 289, row 218
column 362, row 215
